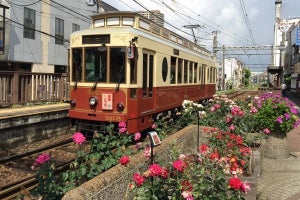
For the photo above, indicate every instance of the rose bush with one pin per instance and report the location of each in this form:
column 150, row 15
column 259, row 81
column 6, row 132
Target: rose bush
column 275, row 113
column 213, row 173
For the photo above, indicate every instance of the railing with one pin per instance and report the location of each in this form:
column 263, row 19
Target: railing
column 26, row 87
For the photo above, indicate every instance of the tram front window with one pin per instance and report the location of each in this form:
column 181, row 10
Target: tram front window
column 117, row 65
column 77, row 65
column 95, row 64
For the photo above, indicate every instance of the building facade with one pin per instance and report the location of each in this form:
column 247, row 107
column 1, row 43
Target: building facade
column 37, row 33
column 154, row 15
column 281, row 60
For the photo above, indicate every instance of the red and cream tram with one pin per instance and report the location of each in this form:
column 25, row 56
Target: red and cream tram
column 127, row 68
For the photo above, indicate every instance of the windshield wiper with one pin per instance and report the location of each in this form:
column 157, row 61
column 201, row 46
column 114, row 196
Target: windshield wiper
column 96, row 82
column 119, row 78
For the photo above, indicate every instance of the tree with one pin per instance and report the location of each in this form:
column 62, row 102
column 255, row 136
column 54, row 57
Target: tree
column 246, row 76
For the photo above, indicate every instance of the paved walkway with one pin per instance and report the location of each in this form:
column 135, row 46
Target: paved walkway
column 280, row 179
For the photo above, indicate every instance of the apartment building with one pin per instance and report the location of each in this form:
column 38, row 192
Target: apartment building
column 36, row 33
column 154, row 15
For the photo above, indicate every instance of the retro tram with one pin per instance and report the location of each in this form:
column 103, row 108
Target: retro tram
column 128, row 68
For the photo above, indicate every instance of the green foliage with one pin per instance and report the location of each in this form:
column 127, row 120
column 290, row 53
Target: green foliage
column 276, row 113
column 227, row 114
column 203, row 176
column 47, row 187
column 105, row 151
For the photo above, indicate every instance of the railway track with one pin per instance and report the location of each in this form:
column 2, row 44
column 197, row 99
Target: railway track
column 243, row 94
column 14, row 189
column 15, row 164
column 34, row 152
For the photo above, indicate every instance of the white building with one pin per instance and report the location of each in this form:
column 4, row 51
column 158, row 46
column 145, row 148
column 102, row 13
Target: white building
column 281, row 29
column 37, row 32
column 233, row 72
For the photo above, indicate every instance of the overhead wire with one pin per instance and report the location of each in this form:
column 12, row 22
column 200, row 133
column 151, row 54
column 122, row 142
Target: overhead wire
column 247, row 21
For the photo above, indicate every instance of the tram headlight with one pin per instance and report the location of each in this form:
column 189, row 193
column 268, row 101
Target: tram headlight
column 72, row 103
column 120, row 107
column 93, row 101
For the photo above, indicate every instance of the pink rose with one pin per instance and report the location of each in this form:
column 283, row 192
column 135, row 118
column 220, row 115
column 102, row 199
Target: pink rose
column 78, row 138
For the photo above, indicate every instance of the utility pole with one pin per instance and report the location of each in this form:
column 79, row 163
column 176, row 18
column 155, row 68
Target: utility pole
column 223, row 67
column 215, row 41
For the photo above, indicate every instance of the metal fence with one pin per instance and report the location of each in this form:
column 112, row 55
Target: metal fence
column 27, row 87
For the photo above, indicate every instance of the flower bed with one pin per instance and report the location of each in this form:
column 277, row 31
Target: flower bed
column 113, row 184
column 223, row 167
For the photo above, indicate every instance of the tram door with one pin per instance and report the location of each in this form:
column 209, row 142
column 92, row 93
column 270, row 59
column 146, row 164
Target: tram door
column 147, row 104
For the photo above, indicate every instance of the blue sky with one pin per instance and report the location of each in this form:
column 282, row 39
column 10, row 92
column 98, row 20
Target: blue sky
column 238, row 22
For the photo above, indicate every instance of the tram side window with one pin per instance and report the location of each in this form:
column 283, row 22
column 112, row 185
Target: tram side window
column 200, row 74
column 133, row 70
column 151, row 63
column 95, row 64
column 195, row 72
column 77, row 65
column 179, row 74
column 117, row 65
column 173, row 70
column 185, row 73
column 145, row 59
column 164, row 69
column 191, row 72
column 211, row 74
column 208, row 75
column 204, row 74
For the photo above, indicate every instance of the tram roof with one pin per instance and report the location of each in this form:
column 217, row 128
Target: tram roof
column 140, row 23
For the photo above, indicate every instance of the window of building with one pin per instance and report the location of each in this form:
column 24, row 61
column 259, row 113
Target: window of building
column 2, row 28
column 75, row 27
column 59, row 31
column 29, row 23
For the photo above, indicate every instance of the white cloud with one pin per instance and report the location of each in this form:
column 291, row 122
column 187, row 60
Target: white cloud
column 224, row 15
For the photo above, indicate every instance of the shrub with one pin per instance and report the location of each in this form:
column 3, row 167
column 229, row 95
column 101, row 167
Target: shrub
column 212, row 173
column 275, row 113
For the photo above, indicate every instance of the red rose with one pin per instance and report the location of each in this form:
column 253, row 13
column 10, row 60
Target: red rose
column 214, row 156
column 138, row 179
column 164, row 172
column 179, row 165
column 186, row 186
column 235, row 183
column 155, row 170
column 203, row 149
column 124, row 160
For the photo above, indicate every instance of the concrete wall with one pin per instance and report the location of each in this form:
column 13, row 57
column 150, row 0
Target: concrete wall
column 113, row 183
column 26, row 126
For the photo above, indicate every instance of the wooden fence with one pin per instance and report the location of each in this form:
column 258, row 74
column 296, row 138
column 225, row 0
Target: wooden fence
column 27, row 87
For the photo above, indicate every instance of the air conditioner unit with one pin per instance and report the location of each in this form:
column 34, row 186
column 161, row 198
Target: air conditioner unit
column 90, row 2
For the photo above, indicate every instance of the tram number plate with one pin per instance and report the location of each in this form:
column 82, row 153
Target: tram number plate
column 112, row 118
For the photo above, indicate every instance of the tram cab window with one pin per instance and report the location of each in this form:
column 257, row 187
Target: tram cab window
column 95, row 64
column 76, row 64
column 117, row 65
